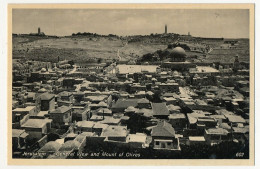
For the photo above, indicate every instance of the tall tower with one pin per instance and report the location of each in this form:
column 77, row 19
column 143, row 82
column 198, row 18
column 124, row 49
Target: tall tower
column 236, row 64
column 39, row 30
column 165, row 29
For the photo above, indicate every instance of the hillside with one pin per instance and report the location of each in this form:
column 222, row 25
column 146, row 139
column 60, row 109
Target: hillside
column 225, row 54
column 79, row 48
column 91, row 48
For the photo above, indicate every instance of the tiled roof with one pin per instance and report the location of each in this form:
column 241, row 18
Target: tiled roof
column 160, row 109
column 163, row 129
column 125, row 103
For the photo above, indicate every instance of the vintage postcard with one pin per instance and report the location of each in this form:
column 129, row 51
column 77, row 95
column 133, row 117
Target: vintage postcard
column 131, row 84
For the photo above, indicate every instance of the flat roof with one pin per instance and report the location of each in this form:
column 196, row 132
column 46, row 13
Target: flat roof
column 110, row 120
column 17, row 132
column 177, row 116
column 125, row 69
column 163, row 140
column 61, row 110
column 36, row 123
column 196, row 138
column 235, row 119
column 204, row 69
column 138, row 137
column 42, row 113
column 217, row 131
column 115, row 131
column 100, row 125
column 28, row 108
column 88, row 124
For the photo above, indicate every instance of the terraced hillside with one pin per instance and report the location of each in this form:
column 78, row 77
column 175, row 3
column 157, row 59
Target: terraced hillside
column 79, row 49
column 226, row 55
column 85, row 49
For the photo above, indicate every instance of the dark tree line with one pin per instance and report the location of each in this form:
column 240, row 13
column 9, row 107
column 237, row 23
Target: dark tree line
column 225, row 150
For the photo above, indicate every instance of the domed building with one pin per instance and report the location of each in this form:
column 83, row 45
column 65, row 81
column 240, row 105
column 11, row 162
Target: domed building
column 178, row 54
column 43, row 70
column 177, row 60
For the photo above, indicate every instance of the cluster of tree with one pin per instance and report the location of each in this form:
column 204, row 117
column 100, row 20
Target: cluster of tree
column 159, row 55
column 153, row 38
column 225, row 150
column 174, row 45
column 36, row 34
column 84, row 34
column 92, row 34
column 137, row 123
column 157, row 97
column 71, row 62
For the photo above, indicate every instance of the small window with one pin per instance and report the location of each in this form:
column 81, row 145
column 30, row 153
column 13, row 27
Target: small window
column 157, row 143
column 169, row 143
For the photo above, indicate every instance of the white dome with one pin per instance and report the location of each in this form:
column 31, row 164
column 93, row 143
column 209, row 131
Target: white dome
column 43, row 70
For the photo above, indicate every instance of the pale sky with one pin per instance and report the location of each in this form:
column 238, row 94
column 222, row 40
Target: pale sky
column 227, row 23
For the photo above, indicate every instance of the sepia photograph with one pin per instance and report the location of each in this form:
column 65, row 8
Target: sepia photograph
column 122, row 83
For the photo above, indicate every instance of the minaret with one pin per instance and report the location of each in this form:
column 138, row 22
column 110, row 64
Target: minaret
column 236, row 64
column 165, row 29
